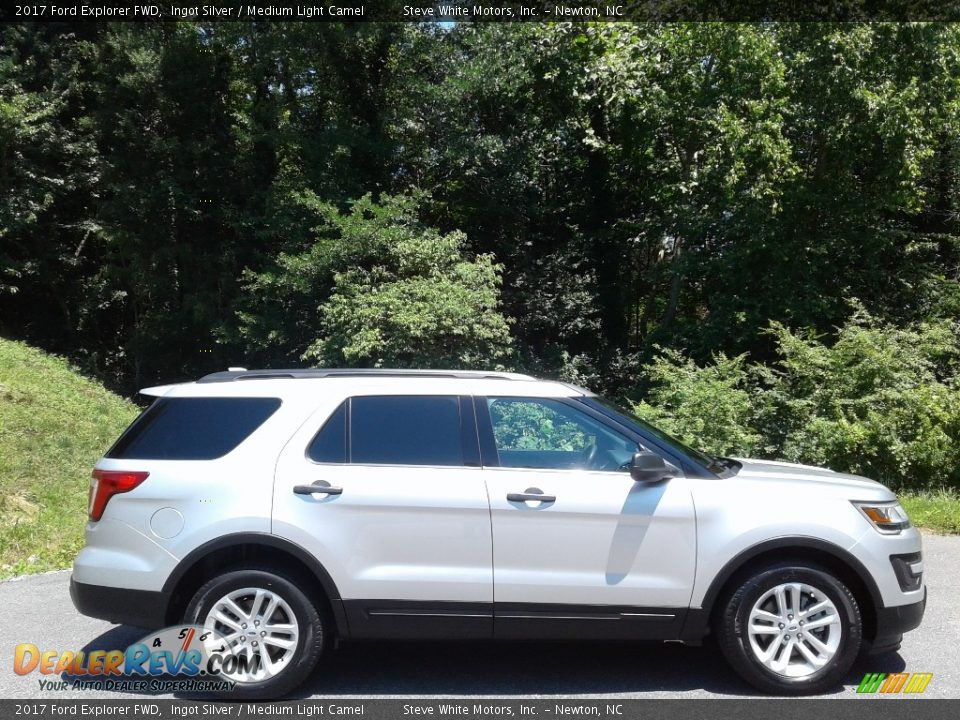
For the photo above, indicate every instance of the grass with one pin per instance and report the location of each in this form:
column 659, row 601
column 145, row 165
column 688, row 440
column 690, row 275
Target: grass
column 54, row 425
column 937, row 510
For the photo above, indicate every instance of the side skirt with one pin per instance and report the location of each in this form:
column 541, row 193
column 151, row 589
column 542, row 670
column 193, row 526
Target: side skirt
column 422, row 620
column 536, row 621
column 418, row 620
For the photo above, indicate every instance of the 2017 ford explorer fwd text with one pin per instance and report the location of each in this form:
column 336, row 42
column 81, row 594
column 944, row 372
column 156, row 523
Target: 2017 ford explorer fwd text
column 284, row 509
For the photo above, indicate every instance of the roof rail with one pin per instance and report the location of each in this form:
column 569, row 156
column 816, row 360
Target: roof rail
column 313, row 373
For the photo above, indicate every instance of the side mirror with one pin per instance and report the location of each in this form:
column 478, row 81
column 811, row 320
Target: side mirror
column 649, row 467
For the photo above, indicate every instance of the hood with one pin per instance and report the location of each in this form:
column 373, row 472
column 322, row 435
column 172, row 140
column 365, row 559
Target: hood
column 858, row 487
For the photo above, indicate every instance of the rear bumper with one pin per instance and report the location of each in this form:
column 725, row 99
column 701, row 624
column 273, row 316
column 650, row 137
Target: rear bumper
column 893, row 622
column 143, row 608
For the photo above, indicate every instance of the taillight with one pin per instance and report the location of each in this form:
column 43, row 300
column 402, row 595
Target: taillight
column 107, row 483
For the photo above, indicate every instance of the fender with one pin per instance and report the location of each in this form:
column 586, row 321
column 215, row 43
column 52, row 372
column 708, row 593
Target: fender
column 272, row 541
column 698, row 619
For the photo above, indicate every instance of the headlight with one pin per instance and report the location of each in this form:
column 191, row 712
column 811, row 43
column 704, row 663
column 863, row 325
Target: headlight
column 888, row 518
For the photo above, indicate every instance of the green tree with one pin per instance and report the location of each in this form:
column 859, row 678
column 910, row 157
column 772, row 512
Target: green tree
column 377, row 288
column 676, row 185
column 49, row 169
column 861, row 110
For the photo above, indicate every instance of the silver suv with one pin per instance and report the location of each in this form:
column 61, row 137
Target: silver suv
column 284, row 509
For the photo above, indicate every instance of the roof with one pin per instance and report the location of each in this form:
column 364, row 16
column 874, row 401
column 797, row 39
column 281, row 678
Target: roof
column 312, row 382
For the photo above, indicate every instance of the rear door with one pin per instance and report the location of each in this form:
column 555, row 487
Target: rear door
column 579, row 548
column 400, row 517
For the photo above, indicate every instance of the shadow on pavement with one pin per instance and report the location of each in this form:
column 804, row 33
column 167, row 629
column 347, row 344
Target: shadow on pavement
column 523, row 669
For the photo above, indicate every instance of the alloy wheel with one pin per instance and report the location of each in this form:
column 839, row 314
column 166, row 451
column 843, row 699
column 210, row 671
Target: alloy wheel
column 794, row 629
column 259, row 628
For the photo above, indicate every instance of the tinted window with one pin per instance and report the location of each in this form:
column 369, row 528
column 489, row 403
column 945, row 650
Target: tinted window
column 330, row 444
column 192, row 428
column 547, row 434
column 401, row 430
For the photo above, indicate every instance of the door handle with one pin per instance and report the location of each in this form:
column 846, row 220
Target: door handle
column 316, row 487
column 528, row 496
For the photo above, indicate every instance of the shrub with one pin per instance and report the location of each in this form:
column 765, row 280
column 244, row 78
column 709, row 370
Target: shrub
column 878, row 401
column 708, row 407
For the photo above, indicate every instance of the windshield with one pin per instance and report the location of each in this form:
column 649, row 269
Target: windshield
column 717, row 465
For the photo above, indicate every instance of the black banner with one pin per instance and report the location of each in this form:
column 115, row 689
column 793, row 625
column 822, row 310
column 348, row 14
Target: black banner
column 462, row 11
column 860, row 708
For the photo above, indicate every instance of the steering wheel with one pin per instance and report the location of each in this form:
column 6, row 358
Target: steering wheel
column 590, row 455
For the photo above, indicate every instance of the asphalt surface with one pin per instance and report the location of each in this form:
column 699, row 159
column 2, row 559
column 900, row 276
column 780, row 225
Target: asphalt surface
column 38, row 610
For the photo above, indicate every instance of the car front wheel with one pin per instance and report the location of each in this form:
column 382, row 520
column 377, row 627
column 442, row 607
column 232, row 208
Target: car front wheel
column 791, row 629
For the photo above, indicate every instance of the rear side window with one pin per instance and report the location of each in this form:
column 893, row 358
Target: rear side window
column 404, row 430
column 330, row 444
column 192, row 428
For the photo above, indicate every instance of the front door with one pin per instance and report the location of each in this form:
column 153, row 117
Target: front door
column 579, row 548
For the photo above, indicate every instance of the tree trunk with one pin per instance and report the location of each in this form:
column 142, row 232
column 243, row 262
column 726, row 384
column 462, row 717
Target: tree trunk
column 606, row 256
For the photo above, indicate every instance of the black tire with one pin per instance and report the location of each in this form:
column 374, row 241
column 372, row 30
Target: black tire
column 311, row 628
column 733, row 615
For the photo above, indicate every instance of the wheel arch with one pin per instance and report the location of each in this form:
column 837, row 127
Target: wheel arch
column 238, row 549
column 800, row 548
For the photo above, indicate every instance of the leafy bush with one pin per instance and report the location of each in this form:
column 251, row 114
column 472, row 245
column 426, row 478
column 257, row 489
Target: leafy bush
column 709, row 407
column 878, row 401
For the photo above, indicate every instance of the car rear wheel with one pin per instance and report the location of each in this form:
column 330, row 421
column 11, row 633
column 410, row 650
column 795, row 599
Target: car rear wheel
column 791, row 629
column 269, row 629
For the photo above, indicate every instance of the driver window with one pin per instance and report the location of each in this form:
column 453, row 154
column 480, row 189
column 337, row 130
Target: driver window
column 547, row 434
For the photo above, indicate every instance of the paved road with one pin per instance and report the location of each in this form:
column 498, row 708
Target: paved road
column 38, row 610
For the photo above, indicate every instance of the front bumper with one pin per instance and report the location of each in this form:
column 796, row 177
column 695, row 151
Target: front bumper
column 893, row 622
column 143, row 608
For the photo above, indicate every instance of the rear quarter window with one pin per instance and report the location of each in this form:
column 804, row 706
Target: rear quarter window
column 194, row 428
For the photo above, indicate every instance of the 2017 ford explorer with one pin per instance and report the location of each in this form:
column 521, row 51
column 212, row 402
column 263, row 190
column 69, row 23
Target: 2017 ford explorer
column 284, row 509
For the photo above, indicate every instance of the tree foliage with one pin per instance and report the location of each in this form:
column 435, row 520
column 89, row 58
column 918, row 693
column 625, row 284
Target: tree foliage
column 881, row 401
column 712, row 406
column 377, row 289
column 559, row 198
